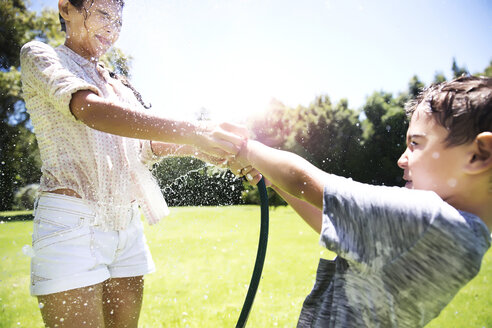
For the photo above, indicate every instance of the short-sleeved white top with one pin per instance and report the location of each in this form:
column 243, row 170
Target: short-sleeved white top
column 109, row 172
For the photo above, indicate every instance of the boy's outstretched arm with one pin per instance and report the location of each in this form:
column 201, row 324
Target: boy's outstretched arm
column 288, row 171
column 311, row 214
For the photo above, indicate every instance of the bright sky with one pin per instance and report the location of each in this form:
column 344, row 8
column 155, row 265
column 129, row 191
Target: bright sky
column 233, row 56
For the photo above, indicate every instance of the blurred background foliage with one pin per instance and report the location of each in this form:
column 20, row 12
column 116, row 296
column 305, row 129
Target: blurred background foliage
column 362, row 143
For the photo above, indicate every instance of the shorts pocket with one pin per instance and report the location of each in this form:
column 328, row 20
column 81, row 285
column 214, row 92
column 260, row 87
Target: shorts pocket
column 49, row 231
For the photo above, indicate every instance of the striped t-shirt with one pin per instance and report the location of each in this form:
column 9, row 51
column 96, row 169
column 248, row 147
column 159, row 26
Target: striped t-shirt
column 402, row 256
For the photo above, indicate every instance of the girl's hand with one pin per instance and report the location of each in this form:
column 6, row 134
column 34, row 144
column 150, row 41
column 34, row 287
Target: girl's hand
column 217, row 161
column 219, row 142
column 239, row 130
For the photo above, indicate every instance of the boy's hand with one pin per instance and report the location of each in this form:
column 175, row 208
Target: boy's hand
column 252, row 175
column 268, row 183
column 239, row 130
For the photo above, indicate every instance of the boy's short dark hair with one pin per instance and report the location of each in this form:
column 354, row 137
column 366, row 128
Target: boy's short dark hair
column 463, row 106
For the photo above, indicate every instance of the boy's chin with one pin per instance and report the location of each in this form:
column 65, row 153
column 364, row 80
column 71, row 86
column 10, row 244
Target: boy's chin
column 409, row 185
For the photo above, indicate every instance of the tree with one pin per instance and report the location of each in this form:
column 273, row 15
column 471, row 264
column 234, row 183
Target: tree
column 415, row 86
column 457, row 70
column 20, row 164
column 384, row 138
column 18, row 150
column 15, row 23
column 487, row 71
column 439, row 77
column 331, row 136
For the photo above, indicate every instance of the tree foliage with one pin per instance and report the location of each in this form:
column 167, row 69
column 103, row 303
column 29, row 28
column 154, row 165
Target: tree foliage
column 458, row 70
column 487, row 71
column 384, row 138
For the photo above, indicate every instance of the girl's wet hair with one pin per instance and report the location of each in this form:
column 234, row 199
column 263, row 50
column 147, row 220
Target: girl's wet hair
column 127, row 84
column 463, row 106
column 79, row 4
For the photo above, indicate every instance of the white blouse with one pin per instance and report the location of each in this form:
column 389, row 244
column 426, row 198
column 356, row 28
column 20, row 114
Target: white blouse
column 109, row 172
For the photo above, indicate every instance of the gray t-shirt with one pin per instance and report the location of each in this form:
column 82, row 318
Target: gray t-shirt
column 402, row 256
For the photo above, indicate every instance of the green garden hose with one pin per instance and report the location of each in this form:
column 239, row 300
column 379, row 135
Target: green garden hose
column 260, row 257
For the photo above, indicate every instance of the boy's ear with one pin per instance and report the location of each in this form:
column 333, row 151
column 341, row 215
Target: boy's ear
column 63, row 8
column 481, row 159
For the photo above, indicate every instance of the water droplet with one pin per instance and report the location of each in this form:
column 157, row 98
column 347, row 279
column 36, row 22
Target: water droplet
column 435, row 155
column 452, row 182
column 27, row 250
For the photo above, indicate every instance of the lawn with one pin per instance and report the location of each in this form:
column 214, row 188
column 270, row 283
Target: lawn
column 205, row 258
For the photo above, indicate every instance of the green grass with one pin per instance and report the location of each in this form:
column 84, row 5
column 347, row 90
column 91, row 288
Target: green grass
column 205, row 258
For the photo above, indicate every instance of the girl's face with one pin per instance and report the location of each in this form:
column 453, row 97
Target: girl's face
column 95, row 27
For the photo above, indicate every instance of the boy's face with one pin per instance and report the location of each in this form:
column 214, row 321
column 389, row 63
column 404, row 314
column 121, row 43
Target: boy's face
column 427, row 163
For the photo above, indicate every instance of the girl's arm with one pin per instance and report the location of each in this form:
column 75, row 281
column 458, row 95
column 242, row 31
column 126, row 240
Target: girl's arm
column 162, row 149
column 103, row 115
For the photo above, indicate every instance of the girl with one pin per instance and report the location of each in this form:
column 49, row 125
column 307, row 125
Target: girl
column 95, row 140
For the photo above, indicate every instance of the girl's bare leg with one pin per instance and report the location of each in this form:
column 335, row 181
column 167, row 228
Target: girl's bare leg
column 122, row 301
column 81, row 307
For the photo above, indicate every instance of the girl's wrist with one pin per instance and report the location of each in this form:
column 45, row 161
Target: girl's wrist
column 188, row 150
column 196, row 135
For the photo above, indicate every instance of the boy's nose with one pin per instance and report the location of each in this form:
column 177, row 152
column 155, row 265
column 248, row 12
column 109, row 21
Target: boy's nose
column 403, row 160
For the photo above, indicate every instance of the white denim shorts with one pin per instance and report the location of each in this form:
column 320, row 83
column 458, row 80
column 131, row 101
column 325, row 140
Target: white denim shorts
column 69, row 252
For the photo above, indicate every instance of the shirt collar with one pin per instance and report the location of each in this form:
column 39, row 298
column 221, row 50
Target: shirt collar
column 81, row 61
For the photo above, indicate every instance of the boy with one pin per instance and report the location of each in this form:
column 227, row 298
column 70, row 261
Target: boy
column 403, row 253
